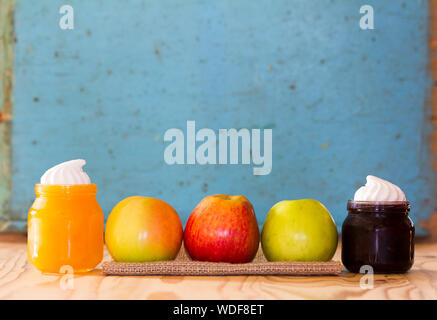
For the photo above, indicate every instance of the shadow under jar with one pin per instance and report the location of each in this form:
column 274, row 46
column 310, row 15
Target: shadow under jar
column 379, row 234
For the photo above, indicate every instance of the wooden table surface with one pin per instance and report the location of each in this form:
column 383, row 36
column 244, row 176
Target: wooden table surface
column 20, row 280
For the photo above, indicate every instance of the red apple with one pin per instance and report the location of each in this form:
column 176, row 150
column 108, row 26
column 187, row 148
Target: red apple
column 222, row 228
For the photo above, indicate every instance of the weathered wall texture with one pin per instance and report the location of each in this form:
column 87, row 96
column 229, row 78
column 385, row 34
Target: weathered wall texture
column 431, row 223
column 342, row 102
column 6, row 108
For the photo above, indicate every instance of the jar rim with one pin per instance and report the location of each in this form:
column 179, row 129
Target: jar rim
column 66, row 188
column 379, row 206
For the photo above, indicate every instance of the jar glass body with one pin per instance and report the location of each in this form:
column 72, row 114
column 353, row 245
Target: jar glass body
column 65, row 229
column 380, row 235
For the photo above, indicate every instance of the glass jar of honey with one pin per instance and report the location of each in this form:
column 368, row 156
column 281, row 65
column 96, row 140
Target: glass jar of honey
column 65, row 228
column 379, row 234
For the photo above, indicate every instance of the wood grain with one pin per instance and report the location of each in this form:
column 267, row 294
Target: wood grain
column 19, row 280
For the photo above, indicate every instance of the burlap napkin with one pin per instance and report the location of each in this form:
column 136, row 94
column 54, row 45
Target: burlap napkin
column 184, row 266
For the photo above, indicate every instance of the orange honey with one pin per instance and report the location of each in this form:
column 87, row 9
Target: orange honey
column 65, row 228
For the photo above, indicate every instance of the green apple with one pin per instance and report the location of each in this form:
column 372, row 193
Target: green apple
column 299, row 230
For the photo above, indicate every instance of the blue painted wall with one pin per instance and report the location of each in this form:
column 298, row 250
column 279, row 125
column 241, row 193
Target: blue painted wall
column 342, row 102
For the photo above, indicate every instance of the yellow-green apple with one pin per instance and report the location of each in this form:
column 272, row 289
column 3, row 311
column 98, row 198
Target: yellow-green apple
column 141, row 229
column 299, row 230
column 222, row 228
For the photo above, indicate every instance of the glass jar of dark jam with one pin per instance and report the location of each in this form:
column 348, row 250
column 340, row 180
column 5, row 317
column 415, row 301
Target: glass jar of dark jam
column 379, row 234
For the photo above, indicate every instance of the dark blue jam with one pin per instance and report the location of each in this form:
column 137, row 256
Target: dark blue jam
column 379, row 234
